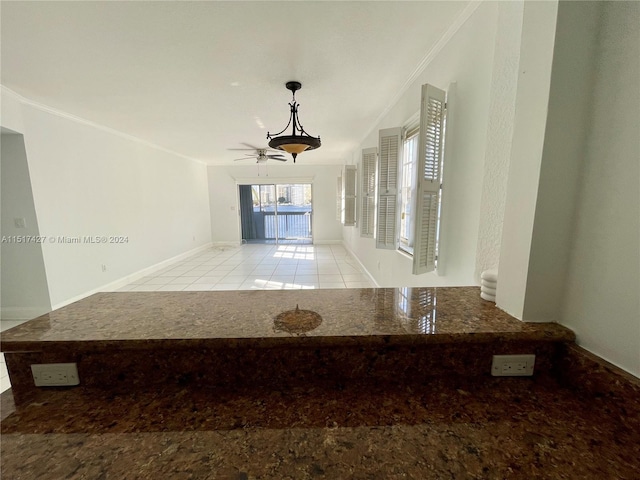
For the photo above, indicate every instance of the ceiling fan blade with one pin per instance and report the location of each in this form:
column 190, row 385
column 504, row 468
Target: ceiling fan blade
column 279, row 159
column 245, row 158
column 255, row 149
column 252, row 147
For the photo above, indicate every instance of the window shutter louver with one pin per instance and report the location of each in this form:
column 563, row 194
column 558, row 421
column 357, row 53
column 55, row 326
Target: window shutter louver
column 430, row 149
column 349, row 195
column 388, row 160
column 368, row 206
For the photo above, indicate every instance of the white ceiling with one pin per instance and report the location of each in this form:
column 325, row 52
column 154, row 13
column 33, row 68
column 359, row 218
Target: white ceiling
column 199, row 78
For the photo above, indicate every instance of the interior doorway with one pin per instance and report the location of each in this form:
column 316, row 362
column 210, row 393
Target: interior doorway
column 276, row 213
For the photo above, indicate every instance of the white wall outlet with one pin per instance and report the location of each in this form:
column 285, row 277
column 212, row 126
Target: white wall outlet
column 104, row 267
column 513, row 365
column 55, row 374
column 20, row 222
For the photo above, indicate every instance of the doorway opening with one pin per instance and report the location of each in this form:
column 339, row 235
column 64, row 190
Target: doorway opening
column 276, row 213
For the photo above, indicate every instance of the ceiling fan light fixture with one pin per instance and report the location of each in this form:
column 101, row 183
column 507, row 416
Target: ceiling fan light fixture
column 297, row 142
column 261, row 155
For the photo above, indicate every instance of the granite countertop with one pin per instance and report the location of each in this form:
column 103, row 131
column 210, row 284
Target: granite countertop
column 447, row 428
column 144, row 319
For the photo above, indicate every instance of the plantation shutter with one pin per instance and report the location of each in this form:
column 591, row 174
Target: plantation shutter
column 349, row 195
column 429, row 169
column 388, row 159
column 367, row 212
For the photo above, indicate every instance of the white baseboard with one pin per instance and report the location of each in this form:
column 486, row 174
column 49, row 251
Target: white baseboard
column 22, row 313
column 19, row 314
column 362, row 267
column 126, row 280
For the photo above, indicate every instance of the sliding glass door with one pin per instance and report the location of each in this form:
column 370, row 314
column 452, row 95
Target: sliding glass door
column 279, row 213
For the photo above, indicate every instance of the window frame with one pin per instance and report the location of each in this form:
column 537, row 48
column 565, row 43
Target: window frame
column 411, row 133
column 425, row 205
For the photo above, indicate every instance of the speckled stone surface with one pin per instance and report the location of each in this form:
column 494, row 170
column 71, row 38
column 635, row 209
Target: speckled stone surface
column 455, row 428
column 246, row 318
column 590, row 376
column 125, row 341
column 125, row 370
column 213, row 391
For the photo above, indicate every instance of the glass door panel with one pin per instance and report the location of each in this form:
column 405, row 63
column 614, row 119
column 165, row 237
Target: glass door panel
column 278, row 213
column 294, row 212
column 268, row 211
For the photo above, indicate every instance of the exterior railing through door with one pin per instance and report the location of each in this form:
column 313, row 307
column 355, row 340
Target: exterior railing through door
column 287, row 225
column 276, row 213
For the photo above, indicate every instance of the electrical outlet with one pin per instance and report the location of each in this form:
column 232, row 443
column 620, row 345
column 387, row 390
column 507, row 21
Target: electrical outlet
column 55, row 374
column 513, row 365
column 104, row 267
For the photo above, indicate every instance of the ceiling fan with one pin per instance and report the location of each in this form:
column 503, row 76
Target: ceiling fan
column 260, row 154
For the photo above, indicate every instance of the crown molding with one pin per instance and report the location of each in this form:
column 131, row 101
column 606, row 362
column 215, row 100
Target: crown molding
column 272, row 180
column 6, row 92
column 459, row 21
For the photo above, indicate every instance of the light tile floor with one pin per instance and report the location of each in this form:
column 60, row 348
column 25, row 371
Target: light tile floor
column 261, row 267
column 248, row 267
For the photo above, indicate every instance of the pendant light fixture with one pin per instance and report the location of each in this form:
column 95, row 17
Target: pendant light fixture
column 296, row 142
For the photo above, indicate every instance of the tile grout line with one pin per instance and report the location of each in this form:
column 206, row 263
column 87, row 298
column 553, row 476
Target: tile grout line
column 292, row 267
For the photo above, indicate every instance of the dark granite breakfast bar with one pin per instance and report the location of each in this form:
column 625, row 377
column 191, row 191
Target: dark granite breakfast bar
column 123, row 341
column 385, row 383
column 232, row 317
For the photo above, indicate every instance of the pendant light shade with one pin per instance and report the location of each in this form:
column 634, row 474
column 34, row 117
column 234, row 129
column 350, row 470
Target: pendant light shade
column 299, row 141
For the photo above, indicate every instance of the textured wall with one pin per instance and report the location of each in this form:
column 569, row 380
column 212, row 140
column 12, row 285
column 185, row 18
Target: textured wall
column 499, row 131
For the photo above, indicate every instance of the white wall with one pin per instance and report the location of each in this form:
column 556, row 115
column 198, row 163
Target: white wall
column 467, row 59
column 223, row 187
column 603, row 283
column 568, row 115
column 23, row 287
column 90, row 181
column 529, row 124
